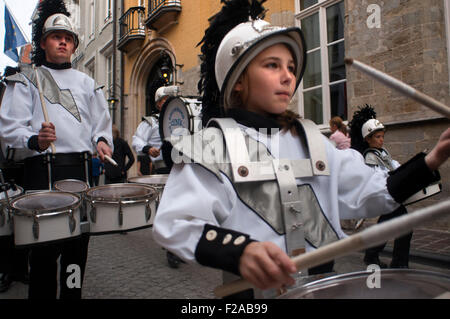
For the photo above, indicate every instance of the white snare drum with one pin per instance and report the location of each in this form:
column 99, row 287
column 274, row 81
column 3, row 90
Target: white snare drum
column 393, row 284
column 74, row 186
column 120, row 207
column 45, row 217
column 6, row 220
column 180, row 116
column 157, row 181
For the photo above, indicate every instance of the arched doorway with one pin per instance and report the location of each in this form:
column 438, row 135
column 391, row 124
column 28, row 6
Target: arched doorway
column 161, row 74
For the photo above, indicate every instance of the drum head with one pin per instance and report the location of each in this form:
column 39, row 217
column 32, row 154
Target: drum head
column 11, row 193
column 116, row 192
column 394, row 284
column 71, row 185
column 176, row 116
column 150, row 179
column 45, row 201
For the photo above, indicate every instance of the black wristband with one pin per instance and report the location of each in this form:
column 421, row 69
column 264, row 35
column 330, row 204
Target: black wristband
column 146, row 148
column 102, row 139
column 33, row 143
column 221, row 248
column 410, row 178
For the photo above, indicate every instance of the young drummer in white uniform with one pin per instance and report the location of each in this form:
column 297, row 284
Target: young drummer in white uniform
column 280, row 187
column 79, row 122
column 147, row 140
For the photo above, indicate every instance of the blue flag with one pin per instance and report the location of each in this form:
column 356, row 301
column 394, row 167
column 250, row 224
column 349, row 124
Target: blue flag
column 13, row 36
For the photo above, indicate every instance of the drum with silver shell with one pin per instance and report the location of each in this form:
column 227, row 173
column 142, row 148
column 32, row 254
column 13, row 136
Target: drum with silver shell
column 74, row 186
column 180, row 116
column 120, row 207
column 6, row 220
column 158, row 181
column 44, row 217
column 377, row 284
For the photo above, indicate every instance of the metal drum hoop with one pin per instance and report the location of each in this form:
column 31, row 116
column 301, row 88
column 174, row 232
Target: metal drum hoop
column 45, row 212
column 123, row 200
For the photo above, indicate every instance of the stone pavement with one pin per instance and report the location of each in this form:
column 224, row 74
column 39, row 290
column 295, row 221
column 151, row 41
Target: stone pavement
column 133, row 266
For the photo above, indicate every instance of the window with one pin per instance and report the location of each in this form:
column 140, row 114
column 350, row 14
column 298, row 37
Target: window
column 323, row 91
column 109, row 75
column 109, row 10
column 92, row 19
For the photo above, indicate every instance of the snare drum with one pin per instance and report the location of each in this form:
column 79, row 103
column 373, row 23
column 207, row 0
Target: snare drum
column 157, row 181
column 74, row 186
column 120, row 207
column 393, row 284
column 6, row 221
column 180, row 116
column 45, row 217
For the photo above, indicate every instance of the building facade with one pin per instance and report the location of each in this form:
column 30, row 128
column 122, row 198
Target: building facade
column 160, row 37
column 97, row 54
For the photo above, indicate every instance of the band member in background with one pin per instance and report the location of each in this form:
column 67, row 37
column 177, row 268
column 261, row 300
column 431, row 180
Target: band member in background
column 79, row 123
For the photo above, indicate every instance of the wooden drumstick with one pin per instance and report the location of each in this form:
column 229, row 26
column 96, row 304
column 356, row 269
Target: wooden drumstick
column 109, row 159
column 43, row 105
column 370, row 237
column 401, row 87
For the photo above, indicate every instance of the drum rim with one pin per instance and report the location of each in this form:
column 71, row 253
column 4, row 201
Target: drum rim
column 333, row 280
column 55, row 184
column 190, row 114
column 129, row 199
column 11, row 197
column 161, row 176
column 48, row 211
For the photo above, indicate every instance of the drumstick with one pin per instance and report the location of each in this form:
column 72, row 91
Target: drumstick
column 401, row 87
column 109, row 159
column 43, row 105
column 370, row 237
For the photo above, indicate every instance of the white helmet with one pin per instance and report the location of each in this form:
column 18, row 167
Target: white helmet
column 371, row 126
column 59, row 22
column 247, row 40
column 166, row 90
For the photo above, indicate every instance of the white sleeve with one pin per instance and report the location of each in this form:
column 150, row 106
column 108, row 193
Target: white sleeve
column 101, row 119
column 16, row 113
column 362, row 190
column 140, row 137
column 180, row 220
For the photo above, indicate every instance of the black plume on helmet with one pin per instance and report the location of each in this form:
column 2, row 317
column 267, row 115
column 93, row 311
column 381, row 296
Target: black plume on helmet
column 361, row 116
column 46, row 9
column 232, row 13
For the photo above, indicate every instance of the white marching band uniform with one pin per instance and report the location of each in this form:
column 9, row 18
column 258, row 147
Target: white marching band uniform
column 77, row 129
column 147, row 134
column 352, row 190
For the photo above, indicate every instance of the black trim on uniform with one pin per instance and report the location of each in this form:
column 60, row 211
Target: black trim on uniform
column 252, row 119
column 102, row 139
column 146, row 148
column 410, row 178
column 214, row 253
column 33, row 143
column 57, row 66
